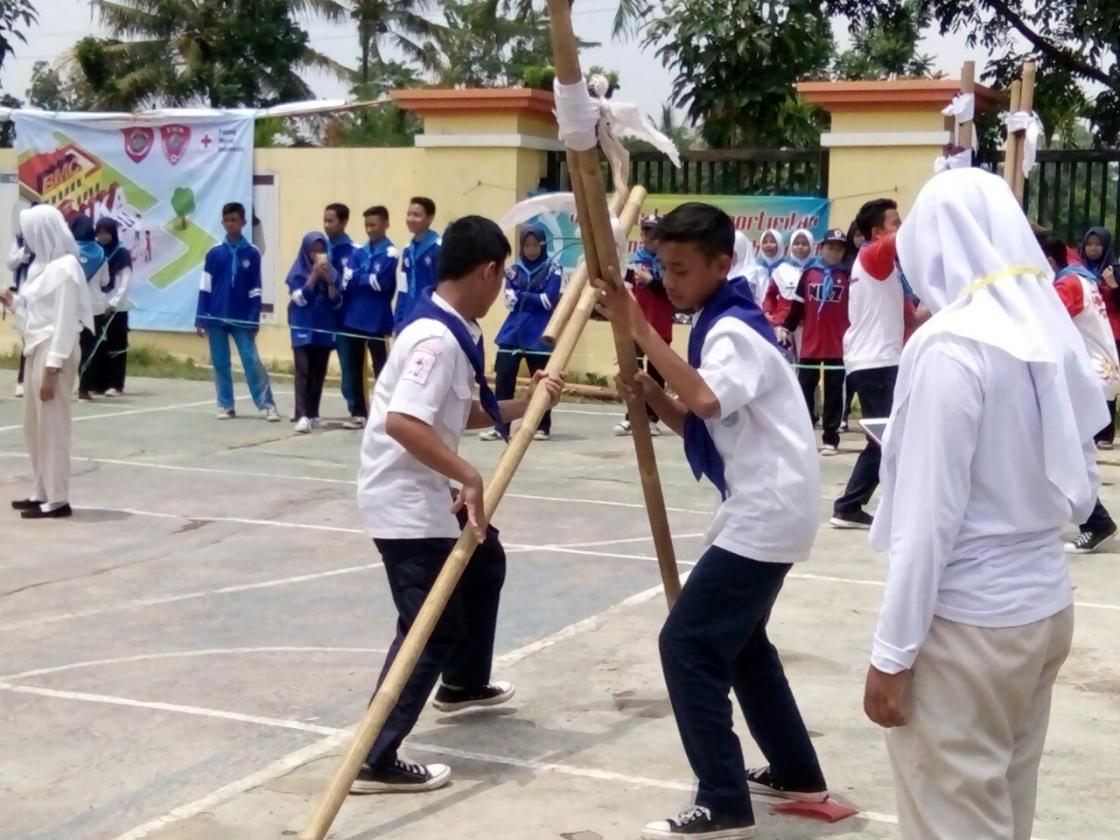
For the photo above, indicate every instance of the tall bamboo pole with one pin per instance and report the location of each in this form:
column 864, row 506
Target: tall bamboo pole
column 968, row 86
column 1026, row 103
column 399, row 672
column 1011, row 149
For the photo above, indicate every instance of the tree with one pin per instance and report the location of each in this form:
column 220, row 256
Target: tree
column 735, row 64
column 222, row 52
column 399, row 25
column 385, row 124
column 15, row 15
column 182, row 202
column 1075, row 40
column 482, row 46
column 886, row 45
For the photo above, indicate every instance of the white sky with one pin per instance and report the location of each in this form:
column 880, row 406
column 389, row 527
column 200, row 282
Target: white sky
column 644, row 81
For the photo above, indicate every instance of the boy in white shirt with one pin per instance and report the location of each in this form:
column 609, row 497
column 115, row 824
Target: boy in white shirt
column 422, row 403
column 743, row 419
column 989, row 452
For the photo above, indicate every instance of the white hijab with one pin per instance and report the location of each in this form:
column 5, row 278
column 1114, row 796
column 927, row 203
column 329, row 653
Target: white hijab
column 49, row 238
column 970, row 255
column 787, row 275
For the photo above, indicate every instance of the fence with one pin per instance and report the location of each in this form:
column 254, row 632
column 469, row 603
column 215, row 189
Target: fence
column 717, row 172
column 1074, row 189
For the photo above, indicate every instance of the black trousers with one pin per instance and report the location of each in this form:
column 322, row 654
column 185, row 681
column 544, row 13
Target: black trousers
column 352, row 354
column 311, row 373
column 506, row 367
column 713, row 642
column 22, row 363
column 833, row 404
column 115, row 347
column 94, row 356
column 655, row 375
column 461, row 648
column 875, row 389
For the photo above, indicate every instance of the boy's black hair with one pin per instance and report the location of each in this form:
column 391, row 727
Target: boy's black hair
column 340, row 210
column 1054, row 247
column 425, row 202
column 468, row 243
column 872, row 215
column 377, row 210
column 705, row 226
column 232, row 207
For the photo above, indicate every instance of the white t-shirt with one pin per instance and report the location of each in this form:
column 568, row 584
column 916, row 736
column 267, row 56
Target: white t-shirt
column 766, row 441
column 975, row 533
column 875, row 312
column 429, row 377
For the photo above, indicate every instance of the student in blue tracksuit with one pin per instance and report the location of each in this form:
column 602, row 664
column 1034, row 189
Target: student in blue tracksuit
column 229, row 306
column 316, row 298
column 340, row 250
column 420, row 257
column 368, row 286
column 532, row 289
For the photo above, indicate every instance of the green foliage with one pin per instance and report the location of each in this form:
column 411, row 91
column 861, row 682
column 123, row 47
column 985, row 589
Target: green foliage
column 15, row 15
column 735, row 63
column 482, row 47
column 400, row 25
column 885, row 45
column 182, row 202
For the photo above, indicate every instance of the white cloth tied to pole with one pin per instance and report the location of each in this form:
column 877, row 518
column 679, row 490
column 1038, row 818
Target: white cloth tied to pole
column 1031, row 126
column 583, row 119
column 957, row 160
column 962, row 108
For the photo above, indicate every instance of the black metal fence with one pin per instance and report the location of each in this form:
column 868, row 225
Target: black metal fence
column 717, row 172
column 1071, row 190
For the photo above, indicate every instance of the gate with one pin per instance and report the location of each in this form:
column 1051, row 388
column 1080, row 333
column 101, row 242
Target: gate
column 1074, row 189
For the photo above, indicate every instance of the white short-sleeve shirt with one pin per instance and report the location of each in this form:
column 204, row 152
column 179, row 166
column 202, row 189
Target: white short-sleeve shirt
column 766, row 440
column 429, row 377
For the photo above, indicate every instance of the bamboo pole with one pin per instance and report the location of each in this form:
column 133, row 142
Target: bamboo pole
column 399, row 672
column 576, row 284
column 1026, row 103
column 1011, row 148
column 968, row 86
column 591, row 201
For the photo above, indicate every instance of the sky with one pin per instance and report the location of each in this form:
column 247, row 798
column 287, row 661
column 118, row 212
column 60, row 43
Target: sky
column 644, row 81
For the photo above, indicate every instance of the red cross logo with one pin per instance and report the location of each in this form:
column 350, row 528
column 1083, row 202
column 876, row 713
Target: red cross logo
column 206, row 141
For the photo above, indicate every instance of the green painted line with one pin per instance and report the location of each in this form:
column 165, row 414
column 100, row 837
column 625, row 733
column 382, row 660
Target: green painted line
column 197, row 242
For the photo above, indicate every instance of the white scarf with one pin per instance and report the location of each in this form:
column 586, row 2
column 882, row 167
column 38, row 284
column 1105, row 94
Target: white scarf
column 56, row 259
column 970, row 255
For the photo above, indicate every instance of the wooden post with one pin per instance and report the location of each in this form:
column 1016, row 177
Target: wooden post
column 591, row 201
column 1011, row 148
column 1026, row 103
column 576, row 284
column 389, row 692
column 968, row 86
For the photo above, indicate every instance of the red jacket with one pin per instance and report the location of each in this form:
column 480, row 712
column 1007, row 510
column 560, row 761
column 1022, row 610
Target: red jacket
column 824, row 324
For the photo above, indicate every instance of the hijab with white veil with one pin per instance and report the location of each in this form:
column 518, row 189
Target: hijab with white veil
column 56, row 253
column 970, row 255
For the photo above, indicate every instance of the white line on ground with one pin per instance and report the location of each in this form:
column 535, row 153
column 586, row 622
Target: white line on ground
column 184, row 654
column 272, row 523
column 131, row 411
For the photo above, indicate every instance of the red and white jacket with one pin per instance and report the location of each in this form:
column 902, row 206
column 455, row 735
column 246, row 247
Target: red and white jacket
column 1082, row 298
column 875, row 309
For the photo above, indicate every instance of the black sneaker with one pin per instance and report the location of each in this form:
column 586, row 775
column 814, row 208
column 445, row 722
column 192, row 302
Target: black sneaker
column 456, row 699
column 760, row 781
column 855, row 520
column 401, row 777
column 699, row 823
column 25, row 504
column 1089, row 541
column 56, row 513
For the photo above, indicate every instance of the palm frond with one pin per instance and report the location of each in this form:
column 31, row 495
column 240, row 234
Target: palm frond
column 313, row 59
column 425, row 54
column 629, row 17
column 325, row 9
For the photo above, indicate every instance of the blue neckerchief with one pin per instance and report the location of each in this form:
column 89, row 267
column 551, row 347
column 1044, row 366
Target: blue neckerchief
column 733, row 299
column 828, row 282
column 1077, row 271
column 770, row 264
column 376, row 249
column 534, row 273
column 645, row 256
column 233, row 248
column 91, row 255
column 425, row 307
column 341, row 239
column 418, row 247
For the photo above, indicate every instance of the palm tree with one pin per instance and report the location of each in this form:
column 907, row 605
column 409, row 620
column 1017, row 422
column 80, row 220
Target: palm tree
column 398, row 24
column 227, row 52
column 629, row 16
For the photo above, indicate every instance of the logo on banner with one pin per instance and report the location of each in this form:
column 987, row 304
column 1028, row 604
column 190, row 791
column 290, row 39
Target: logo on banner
column 138, row 142
column 175, row 140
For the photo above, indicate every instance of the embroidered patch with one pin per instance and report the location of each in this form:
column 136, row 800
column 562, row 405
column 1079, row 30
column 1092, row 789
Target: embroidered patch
column 244, row 263
column 420, row 366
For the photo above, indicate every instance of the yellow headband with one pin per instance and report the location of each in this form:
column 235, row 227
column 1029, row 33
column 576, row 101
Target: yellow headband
column 996, row 276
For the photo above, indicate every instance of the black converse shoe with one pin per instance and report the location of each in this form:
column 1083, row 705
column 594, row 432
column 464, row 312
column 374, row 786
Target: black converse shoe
column 699, row 823
column 456, row 699
column 761, row 781
column 401, row 777
column 855, row 520
column 1089, row 541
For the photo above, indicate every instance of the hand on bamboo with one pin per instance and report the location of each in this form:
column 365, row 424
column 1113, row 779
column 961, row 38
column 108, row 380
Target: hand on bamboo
column 642, row 387
column 553, row 384
column 883, row 696
column 470, row 496
column 617, row 304
column 7, row 298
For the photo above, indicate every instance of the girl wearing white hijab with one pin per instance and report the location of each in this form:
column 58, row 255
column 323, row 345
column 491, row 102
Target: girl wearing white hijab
column 747, row 267
column 988, row 453
column 54, row 303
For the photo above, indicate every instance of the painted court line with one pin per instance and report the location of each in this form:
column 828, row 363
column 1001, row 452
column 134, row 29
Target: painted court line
column 128, row 412
column 271, row 523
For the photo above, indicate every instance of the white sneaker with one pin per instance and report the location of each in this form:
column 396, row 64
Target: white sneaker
column 272, row 415
column 539, row 435
column 622, row 429
column 303, row 426
column 654, row 430
column 19, row 389
column 226, row 414
column 490, row 435
column 112, row 392
column 354, row 423
column 828, row 449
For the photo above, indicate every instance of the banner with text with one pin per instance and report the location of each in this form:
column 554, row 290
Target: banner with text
column 163, row 179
